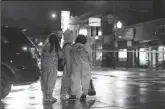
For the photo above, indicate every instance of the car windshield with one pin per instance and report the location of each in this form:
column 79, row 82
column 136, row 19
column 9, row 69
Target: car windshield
column 15, row 36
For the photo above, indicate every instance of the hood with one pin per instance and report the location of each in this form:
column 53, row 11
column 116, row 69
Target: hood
column 68, row 36
column 79, row 47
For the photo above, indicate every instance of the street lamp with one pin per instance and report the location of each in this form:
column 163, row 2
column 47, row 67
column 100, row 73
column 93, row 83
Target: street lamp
column 40, row 44
column 53, row 15
column 119, row 24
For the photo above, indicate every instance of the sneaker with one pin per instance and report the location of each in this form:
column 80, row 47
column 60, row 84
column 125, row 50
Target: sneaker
column 49, row 99
column 83, row 96
column 72, row 97
column 54, row 99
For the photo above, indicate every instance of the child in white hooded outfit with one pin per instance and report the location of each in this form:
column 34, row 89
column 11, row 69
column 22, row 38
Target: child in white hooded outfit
column 81, row 68
column 65, row 82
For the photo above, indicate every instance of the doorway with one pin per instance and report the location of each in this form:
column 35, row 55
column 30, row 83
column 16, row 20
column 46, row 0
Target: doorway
column 154, row 58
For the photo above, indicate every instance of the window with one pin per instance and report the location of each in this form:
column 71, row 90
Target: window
column 83, row 31
column 161, row 55
column 99, row 53
column 164, row 53
column 4, row 40
column 15, row 36
column 122, row 55
column 143, row 56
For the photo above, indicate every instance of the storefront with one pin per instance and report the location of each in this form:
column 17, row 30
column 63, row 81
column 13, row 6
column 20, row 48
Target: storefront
column 151, row 57
column 92, row 28
column 161, row 56
column 142, row 56
column 148, row 46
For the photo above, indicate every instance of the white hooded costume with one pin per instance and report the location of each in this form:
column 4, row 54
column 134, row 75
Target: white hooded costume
column 81, row 69
column 65, row 82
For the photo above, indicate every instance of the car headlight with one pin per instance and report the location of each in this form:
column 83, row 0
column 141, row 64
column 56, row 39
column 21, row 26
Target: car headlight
column 24, row 48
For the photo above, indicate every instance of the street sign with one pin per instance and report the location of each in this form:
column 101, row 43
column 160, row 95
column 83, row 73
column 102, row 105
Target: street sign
column 96, row 22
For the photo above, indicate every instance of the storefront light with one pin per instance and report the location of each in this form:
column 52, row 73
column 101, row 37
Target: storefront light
column 120, row 37
column 143, row 56
column 100, row 33
column 96, row 37
column 83, row 31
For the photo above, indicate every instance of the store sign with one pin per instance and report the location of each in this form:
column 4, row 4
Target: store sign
column 65, row 19
column 96, row 22
column 129, row 34
column 83, row 31
column 129, row 43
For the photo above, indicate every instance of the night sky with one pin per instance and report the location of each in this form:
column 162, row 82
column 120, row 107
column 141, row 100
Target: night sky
column 37, row 13
column 32, row 14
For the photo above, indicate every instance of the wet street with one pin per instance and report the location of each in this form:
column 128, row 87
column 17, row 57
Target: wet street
column 115, row 90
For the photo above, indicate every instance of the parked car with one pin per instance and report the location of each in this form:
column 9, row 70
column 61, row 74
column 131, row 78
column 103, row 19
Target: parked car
column 18, row 65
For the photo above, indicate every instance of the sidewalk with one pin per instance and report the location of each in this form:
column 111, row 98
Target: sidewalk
column 136, row 71
column 133, row 74
column 141, row 75
column 129, row 69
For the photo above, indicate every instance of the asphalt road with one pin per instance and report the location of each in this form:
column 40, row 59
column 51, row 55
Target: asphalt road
column 115, row 90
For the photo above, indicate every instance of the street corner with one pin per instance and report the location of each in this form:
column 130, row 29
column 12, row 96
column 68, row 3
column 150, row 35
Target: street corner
column 111, row 93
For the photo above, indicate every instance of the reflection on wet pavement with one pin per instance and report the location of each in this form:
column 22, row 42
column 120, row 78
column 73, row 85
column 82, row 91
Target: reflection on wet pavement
column 113, row 92
column 68, row 104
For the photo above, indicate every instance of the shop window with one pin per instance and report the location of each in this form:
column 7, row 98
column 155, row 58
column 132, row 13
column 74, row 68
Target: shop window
column 122, row 55
column 164, row 54
column 98, row 56
column 83, row 31
column 143, row 56
column 99, row 53
column 161, row 54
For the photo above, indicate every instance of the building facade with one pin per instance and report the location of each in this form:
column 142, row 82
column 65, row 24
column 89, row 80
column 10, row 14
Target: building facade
column 142, row 45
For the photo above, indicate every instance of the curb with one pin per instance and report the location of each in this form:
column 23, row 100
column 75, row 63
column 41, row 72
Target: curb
column 129, row 69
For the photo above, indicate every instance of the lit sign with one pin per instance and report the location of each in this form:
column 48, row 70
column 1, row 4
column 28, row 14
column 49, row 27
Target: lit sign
column 65, row 19
column 95, row 22
column 129, row 34
column 83, row 31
